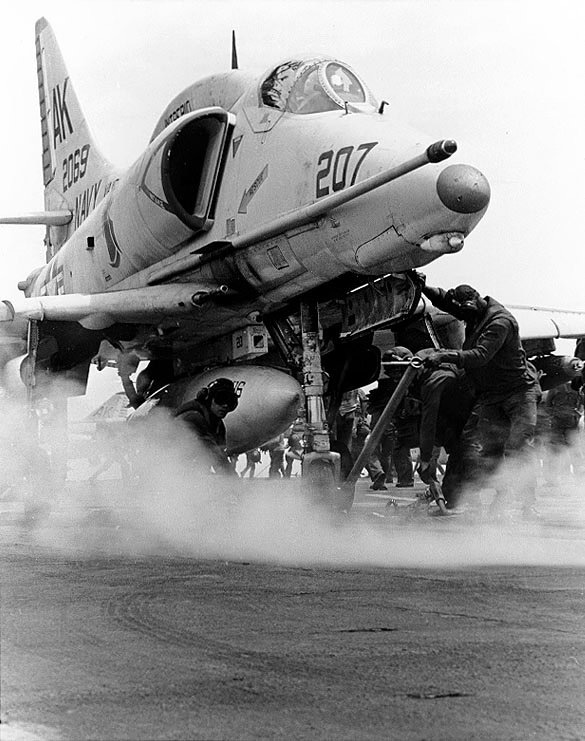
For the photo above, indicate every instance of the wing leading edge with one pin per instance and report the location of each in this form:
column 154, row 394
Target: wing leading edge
column 100, row 310
column 540, row 323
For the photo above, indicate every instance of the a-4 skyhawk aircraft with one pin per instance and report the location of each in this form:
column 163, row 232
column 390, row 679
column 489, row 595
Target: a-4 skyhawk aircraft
column 240, row 241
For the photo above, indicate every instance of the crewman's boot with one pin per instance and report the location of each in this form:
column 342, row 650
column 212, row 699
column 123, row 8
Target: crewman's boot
column 378, row 483
column 425, row 472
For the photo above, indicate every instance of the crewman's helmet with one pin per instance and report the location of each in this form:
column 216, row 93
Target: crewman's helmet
column 463, row 293
column 221, row 391
column 467, row 299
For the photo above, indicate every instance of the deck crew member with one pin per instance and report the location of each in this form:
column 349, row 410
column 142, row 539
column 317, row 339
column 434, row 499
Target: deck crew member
column 503, row 419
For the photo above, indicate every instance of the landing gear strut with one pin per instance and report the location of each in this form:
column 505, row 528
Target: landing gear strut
column 30, row 363
column 321, row 467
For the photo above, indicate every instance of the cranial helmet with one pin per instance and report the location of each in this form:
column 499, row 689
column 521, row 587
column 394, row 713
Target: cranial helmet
column 221, row 391
column 463, row 293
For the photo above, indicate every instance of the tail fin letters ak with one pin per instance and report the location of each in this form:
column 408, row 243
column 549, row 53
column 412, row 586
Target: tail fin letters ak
column 75, row 174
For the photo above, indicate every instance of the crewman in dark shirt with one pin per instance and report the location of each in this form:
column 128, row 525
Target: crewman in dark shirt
column 503, row 419
column 204, row 417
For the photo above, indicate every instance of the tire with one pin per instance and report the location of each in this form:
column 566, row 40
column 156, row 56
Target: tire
column 319, row 481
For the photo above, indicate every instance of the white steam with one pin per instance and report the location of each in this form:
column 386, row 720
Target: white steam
column 156, row 501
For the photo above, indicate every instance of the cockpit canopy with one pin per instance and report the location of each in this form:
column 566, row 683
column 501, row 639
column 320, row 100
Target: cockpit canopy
column 313, row 86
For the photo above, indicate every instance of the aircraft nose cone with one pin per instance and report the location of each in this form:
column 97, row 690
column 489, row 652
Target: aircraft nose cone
column 463, row 189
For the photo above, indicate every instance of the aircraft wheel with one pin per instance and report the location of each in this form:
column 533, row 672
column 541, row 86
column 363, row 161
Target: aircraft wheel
column 320, row 482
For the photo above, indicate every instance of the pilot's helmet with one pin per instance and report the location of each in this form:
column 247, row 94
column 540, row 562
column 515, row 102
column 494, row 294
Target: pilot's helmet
column 221, row 391
column 294, row 440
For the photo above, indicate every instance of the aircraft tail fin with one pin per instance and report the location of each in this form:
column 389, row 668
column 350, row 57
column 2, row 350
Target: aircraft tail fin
column 73, row 166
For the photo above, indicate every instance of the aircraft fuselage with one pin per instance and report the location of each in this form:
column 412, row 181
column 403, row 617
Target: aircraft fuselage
column 257, row 164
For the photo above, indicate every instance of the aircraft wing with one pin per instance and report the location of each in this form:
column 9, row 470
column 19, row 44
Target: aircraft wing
column 100, row 310
column 540, row 323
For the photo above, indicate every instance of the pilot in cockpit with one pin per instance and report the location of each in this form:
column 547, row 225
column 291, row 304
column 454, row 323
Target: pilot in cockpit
column 308, row 96
column 313, row 87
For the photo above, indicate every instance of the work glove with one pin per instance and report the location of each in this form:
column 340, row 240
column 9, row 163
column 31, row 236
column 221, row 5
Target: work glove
column 100, row 361
column 419, row 279
column 434, row 359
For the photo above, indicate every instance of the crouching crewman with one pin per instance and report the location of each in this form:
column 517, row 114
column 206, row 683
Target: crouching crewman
column 204, row 417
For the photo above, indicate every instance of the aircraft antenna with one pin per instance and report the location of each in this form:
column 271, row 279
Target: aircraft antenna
column 234, row 52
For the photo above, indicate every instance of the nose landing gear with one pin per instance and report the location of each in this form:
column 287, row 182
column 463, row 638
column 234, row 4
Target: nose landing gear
column 321, row 467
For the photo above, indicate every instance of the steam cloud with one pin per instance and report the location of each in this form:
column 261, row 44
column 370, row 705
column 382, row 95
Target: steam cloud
column 171, row 507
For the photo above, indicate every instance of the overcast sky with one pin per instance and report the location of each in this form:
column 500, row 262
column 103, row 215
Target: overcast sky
column 506, row 79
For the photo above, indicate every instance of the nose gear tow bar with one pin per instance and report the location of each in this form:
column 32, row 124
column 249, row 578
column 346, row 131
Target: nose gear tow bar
column 434, row 491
